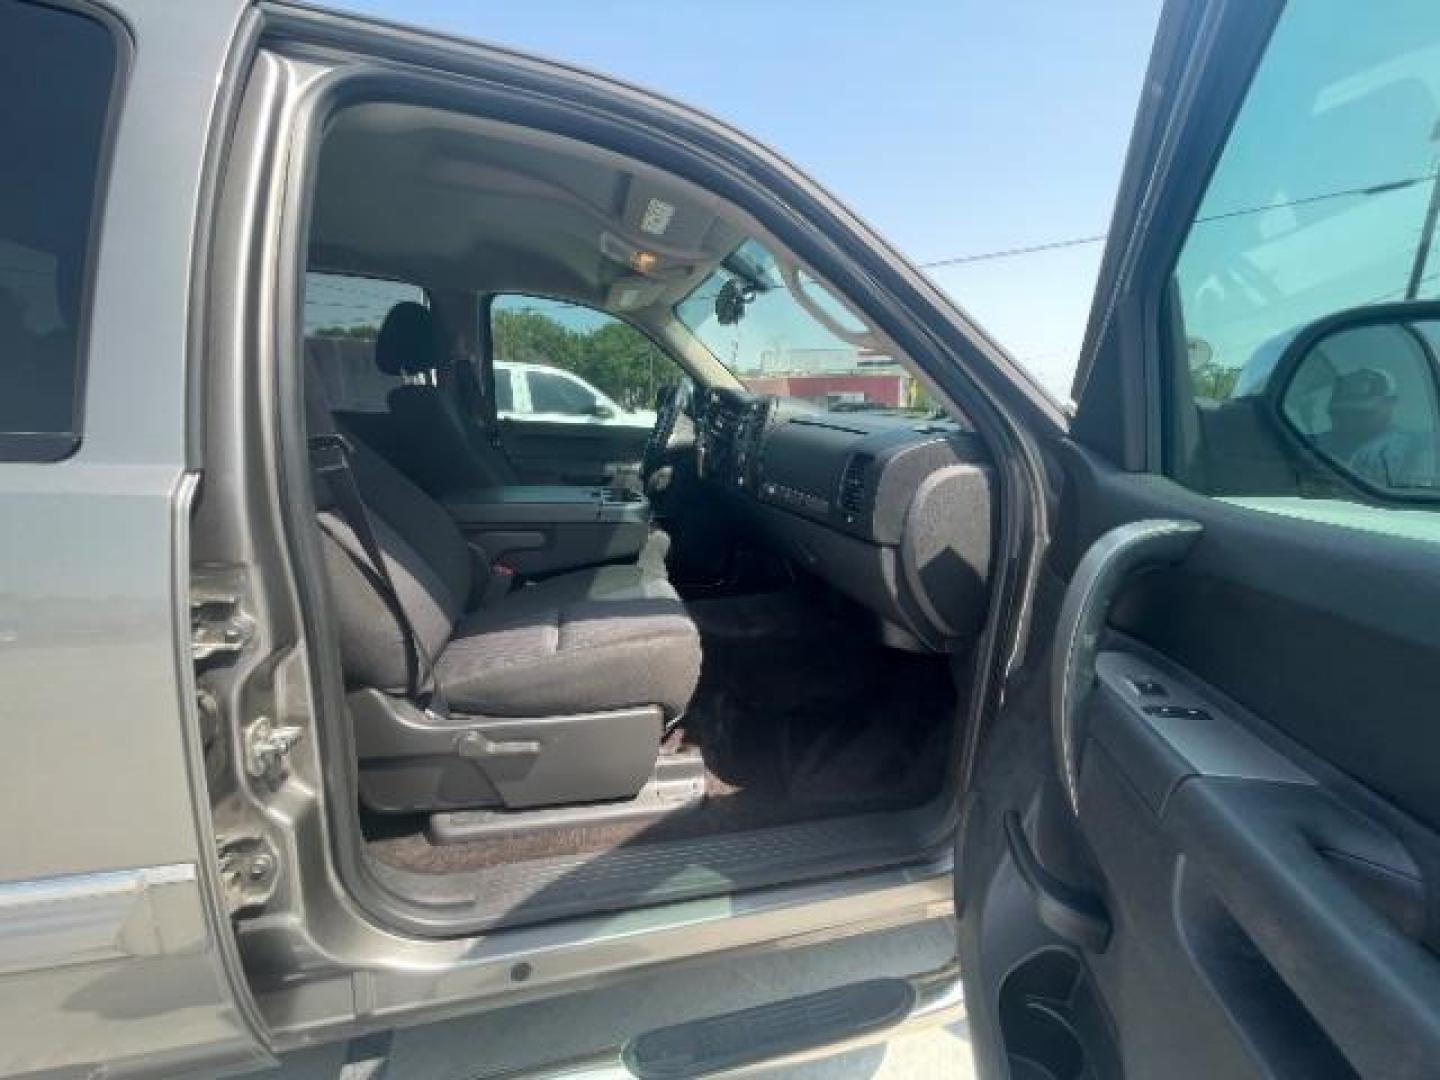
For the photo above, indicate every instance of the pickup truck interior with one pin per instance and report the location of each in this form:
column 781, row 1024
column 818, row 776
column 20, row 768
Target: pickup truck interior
column 592, row 665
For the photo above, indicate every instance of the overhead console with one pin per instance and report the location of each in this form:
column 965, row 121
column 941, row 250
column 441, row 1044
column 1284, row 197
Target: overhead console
column 895, row 513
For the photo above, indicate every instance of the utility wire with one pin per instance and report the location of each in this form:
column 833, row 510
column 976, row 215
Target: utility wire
column 1005, row 253
column 1077, row 241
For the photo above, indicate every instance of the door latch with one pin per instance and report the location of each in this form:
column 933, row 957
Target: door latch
column 218, row 627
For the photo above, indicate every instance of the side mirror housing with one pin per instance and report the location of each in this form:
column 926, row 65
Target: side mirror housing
column 1356, row 395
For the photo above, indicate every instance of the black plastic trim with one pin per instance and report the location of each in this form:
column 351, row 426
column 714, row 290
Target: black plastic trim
column 765, row 1032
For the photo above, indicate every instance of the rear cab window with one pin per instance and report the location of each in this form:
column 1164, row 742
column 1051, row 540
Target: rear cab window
column 59, row 74
column 343, row 316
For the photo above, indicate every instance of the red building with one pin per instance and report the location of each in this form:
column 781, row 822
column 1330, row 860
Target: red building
column 887, row 388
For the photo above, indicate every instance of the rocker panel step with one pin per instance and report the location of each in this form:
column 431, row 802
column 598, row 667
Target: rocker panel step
column 780, row 1029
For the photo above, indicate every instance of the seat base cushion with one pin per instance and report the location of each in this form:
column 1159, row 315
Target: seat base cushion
column 608, row 638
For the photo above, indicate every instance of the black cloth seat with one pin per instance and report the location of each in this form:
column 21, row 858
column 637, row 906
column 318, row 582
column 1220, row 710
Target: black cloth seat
column 435, row 443
column 574, row 646
column 588, row 641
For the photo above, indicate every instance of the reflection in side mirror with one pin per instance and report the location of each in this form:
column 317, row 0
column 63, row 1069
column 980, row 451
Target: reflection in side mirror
column 601, row 411
column 1361, row 392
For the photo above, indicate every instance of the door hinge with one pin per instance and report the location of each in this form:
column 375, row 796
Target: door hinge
column 267, row 745
column 249, row 869
column 217, row 625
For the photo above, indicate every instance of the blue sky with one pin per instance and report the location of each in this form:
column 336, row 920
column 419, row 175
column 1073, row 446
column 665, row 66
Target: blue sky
column 955, row 128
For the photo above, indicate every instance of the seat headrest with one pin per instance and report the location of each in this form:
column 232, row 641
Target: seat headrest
column 409, row 341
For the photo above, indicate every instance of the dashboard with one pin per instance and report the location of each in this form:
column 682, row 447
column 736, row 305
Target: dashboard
column 895, row 513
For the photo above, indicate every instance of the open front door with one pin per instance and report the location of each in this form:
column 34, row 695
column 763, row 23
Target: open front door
column 1205, row 835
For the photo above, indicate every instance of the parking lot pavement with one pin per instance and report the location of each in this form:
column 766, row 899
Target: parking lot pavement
column 508, row 1038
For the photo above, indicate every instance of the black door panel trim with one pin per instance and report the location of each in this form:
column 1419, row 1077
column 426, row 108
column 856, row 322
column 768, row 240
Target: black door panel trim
column 1159, row 739
column 1326, row 633
column 1262, row 847
column 1107, row 565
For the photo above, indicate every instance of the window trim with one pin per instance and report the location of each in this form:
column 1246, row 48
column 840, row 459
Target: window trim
column 51, row 447
column 1204, row 70
column 1170, row 367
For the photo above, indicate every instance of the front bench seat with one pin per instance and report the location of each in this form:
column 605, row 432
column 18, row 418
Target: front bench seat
column 584, row 667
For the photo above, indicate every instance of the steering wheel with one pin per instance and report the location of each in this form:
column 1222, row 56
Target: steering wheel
column 673, row 402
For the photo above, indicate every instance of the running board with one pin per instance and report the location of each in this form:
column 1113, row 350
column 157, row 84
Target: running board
column 788, row 1032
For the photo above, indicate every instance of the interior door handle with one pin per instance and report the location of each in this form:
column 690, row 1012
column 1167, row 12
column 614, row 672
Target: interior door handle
column 1263, row 848
column 1093, row 588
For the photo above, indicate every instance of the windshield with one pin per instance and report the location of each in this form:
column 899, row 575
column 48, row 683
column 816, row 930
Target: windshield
column 807, row 346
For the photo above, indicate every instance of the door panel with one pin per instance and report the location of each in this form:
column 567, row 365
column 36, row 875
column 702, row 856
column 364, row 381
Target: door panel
column 1255, row 822
column 1331, row 641
column 545, row 452
column 1235, row 845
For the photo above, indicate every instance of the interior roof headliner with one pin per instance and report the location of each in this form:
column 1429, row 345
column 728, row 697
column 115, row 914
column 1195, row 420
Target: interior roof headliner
column 455, row 201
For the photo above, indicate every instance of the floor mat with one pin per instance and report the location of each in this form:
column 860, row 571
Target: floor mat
column 799, row 714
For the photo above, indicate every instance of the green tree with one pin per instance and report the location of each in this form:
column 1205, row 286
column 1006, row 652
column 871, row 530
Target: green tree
column 1214, row 381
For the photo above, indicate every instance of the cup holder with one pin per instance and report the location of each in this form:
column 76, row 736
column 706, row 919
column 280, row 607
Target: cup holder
column 1051, row 1021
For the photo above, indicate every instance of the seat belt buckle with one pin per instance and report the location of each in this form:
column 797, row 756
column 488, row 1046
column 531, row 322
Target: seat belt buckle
column 329, row 450
column 501, row 581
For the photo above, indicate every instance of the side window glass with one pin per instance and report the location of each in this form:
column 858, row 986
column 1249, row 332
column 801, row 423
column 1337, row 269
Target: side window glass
column 57, row 76
column 343, row 316
column 624, row 370
column 1305, row 289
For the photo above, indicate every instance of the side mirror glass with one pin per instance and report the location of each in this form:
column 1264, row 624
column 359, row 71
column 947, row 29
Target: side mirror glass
column 601, row 411
column 1359, row 395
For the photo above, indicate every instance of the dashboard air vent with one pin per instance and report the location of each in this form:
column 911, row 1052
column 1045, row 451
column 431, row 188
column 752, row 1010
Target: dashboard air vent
column 852, row 483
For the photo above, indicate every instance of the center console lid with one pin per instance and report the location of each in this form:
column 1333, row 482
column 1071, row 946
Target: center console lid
column 546, row 529
column 546, row 504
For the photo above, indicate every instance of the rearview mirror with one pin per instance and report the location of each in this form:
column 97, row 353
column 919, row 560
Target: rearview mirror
column 1358, row 393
